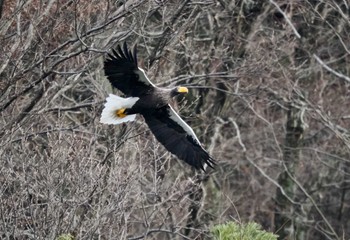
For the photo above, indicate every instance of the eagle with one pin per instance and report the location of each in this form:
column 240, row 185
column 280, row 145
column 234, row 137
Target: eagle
column 144, row 98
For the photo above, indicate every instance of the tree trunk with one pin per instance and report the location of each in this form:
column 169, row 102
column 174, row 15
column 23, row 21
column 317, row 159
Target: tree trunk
column 285, row 224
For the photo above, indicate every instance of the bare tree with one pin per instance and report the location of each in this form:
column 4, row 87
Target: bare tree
column 269, row 97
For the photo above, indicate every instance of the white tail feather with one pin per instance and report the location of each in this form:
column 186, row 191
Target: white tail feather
column 113, row 104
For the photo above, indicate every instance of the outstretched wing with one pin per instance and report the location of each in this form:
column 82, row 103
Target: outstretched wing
column 177, row 137
column 123, row 73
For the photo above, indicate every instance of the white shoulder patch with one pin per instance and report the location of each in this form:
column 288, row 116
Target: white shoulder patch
column 112, row 105
column 175, row 117
column 143, row 77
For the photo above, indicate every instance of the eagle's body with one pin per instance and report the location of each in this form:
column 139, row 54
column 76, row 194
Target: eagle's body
column 151, row 100
column 152, row 103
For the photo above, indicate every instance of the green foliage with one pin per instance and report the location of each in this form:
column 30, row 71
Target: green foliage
column 65, row 237
column 235, row 231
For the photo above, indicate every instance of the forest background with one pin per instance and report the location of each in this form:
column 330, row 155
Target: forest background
column 269, row 98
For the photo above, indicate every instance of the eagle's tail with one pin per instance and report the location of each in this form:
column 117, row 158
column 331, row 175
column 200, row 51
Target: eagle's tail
column 114, row 110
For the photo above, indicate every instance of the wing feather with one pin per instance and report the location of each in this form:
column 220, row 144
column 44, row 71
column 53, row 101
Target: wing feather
column 177, row 137
column 123, row 73
column 175, row 117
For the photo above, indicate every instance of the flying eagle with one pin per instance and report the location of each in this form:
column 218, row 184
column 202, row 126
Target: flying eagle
column 152, row 102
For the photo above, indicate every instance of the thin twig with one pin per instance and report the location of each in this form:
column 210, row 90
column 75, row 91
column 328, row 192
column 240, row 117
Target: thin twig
column 238, row 134
column 272, row 180
column 323, row 64
column 287, row 19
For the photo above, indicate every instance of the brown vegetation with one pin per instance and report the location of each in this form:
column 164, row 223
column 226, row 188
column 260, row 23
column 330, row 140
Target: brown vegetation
column 270, row 101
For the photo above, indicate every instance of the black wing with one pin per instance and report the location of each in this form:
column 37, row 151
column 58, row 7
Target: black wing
column 122, row 72
column 177, row 137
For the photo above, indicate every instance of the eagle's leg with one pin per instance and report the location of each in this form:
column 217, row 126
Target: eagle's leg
column 121, row 113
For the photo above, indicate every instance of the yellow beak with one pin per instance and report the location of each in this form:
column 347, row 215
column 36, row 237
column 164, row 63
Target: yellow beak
column 182, row 89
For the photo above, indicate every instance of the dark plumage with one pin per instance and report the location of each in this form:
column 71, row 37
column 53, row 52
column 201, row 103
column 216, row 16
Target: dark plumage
column 152, row 103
